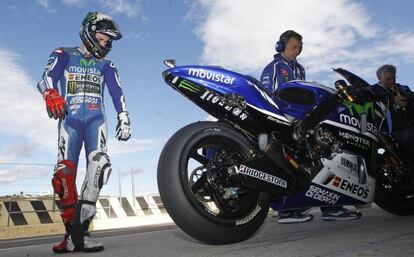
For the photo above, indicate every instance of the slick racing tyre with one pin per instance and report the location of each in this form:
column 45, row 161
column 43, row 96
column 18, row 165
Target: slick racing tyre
column 196, row 188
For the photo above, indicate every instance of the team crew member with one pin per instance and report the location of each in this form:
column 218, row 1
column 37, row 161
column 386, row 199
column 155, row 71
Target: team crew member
column 282, row 69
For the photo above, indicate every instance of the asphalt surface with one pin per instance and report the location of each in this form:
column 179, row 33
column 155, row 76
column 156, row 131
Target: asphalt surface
column 377, row 234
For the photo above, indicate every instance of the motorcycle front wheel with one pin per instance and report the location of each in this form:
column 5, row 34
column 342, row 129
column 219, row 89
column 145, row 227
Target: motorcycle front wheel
column 197, row 189
column 394, row 190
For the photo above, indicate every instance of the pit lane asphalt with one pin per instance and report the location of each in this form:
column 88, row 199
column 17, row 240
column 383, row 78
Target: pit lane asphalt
column 377, row 233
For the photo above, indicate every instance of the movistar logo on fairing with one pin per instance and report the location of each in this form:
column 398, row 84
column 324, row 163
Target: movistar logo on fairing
column 355, row 122
column 203, row 74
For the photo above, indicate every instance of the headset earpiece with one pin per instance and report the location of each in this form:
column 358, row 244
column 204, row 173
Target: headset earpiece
column 280, row 46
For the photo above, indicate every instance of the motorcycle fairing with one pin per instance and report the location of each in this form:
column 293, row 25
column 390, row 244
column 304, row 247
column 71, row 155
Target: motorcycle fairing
column 352, row 140
column 313, row 196
column 223, row 82
column 343, row 180
column 352, row 79
column 347, row 174
column 230, row 96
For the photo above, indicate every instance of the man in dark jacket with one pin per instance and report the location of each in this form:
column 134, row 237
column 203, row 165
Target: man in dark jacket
column 400, row 102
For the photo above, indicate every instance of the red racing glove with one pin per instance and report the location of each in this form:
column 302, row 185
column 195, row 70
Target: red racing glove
column 55, row 104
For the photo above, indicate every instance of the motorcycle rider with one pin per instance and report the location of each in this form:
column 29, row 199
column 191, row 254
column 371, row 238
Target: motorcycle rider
column 401, row 99
column 283, row 68
column 73, row 87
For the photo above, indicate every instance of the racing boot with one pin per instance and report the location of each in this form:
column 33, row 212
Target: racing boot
column 87, row 244
column 79, row 235
column 65, row 246
column 91, row 244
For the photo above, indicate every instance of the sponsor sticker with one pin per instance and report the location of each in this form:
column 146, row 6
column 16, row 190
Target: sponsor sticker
column 83, row 99
column 74, row 107
column 284, row 72
column 93, row 107
column 337, row 181
column 356, row 123
column 217, row 77
column 87, row 62
column 349, row 165
column 217, row 99
column 85, row 77
column 84, row 70
column 187, row 85
column 262, row 176
column 322, row 195
column 75, row 87
column 350, row 187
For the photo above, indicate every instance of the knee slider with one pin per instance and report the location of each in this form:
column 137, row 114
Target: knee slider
column 99, row 168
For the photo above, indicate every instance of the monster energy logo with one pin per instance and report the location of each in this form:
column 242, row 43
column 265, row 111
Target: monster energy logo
column 72, row 86
column 360, row 108
column 75, row 87
column 91, row 16
column 189, row 86
column 86, row 63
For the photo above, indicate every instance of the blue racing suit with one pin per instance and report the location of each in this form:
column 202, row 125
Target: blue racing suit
column 81, row 80
column 280, row 71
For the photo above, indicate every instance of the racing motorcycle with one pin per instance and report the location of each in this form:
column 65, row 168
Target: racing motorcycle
column 217, row 179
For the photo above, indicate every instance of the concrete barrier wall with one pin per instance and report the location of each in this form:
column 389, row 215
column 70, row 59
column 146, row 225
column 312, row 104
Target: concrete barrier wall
column 20, row 217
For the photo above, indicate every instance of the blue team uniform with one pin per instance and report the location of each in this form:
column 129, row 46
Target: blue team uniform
column 280, row 71
column 81, row 81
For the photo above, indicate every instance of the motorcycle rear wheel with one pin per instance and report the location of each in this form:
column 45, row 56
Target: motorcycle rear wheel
column 191, row 184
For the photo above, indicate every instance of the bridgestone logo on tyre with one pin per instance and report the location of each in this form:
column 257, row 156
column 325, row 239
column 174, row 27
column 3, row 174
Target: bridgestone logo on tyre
column 249, row 217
